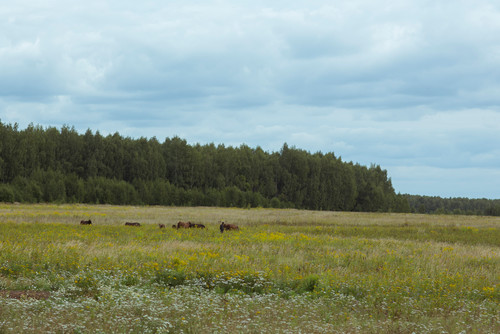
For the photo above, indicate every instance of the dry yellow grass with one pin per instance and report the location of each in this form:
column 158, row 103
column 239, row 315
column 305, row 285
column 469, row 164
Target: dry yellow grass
column 115, row 215
column 347, row 272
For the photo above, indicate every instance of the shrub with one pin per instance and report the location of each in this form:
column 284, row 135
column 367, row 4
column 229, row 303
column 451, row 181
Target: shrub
column 170, row 278
column 6, row 193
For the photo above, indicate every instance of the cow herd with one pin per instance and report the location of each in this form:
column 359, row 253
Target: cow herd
column 223, row 226
column 188, row 225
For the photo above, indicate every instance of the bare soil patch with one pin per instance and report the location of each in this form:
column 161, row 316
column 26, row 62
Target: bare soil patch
column 19, row 294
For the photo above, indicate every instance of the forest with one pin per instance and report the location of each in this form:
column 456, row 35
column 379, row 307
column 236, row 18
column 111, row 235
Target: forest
column 458, row 206
column 40, row 164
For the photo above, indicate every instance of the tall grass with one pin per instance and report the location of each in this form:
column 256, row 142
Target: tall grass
column 283, row 271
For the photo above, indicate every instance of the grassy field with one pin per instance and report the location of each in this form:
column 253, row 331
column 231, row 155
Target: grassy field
column 284, row 271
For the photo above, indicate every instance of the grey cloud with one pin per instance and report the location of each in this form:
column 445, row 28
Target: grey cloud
column 402, row 84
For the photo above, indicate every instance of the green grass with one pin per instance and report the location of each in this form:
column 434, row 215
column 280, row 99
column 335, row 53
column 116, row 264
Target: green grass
column 284, row 271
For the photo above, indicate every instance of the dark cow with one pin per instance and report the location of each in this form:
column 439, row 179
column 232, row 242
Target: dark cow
column 197, row 225
column 86, row 222
column 132, row 224
column 183, row 224
column 174, row 226
column 223, row 226
column 231, row 227
column 161, row 225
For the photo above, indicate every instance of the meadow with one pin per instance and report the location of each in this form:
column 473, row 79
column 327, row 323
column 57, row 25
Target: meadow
column 283, row 271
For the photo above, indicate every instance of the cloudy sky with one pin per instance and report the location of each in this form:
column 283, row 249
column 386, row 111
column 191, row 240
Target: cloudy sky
column 411, row 85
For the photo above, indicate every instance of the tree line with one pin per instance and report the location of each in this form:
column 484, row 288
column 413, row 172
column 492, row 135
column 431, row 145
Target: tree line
column 40, row 164
column 459, row 205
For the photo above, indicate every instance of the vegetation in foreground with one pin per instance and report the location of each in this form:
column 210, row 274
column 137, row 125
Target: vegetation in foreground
column 284, row 271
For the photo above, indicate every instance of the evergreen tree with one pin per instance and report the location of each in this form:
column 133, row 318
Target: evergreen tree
column 46, row 164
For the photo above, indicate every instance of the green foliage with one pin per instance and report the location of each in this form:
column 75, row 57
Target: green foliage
column 50, row 165
column 308, row 284
column 170, row 277
column 86, row 285
column 342, row 272
column 6, row 193
column 438, row 205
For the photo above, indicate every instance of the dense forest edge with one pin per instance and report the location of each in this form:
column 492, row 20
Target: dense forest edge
column 63, row 166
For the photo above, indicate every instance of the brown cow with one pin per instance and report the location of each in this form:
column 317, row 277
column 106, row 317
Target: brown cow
column 86, row 222
column 132, row 224
column 161, row 225
column 184, row 224
column 226, row 227
column 231, row 227
column 197, row 225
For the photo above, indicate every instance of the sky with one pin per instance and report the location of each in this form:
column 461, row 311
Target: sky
column 410, row 85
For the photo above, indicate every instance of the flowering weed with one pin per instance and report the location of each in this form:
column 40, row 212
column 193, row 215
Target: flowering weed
column 284, row 271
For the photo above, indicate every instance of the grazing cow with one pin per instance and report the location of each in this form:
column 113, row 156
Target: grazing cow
column 174, row 226
column 183, row 224
column 161, row 225
column 231, row 227
column 86, row 222
column 197, row 225
column 132, row 224
column 224, row 226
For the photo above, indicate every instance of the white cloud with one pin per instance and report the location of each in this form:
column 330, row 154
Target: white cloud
column 402, row 84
